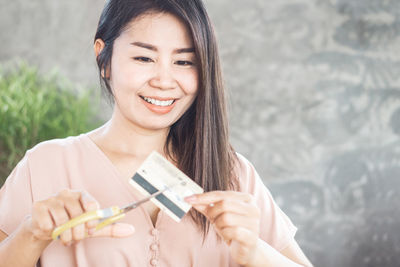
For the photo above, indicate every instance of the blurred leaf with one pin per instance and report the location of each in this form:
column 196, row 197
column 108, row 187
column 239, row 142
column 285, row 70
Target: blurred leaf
column 36, row 107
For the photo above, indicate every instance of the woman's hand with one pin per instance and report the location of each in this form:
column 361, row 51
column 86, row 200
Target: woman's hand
column 235, row 217
column 57, row 210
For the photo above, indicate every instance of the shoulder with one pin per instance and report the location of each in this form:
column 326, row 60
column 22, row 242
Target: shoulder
column 243, row 165
column 57, row 164
column 248, row 178
column 57, row 154
column 52, row 148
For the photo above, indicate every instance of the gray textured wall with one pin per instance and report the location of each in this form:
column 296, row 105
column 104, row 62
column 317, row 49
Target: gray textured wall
column 315, row 105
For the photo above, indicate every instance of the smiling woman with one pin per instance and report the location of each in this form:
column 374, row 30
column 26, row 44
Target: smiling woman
column 153, row 68
column 158, row 61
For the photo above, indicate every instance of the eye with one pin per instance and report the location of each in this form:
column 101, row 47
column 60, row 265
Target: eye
column 143, row 59
column 184, row 63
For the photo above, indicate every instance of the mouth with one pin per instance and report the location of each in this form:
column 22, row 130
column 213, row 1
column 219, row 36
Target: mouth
column 158, row 102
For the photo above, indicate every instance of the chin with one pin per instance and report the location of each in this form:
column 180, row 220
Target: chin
column 156, row 126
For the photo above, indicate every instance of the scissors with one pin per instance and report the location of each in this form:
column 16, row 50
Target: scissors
column 106, row 216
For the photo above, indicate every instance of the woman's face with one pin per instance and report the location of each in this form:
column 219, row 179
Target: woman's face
column 154, row 76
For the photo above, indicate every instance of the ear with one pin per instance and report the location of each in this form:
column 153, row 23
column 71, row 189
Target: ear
column 98, row 47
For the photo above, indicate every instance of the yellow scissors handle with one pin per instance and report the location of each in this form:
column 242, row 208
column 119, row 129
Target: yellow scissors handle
column 110, row 220
column 110, row 215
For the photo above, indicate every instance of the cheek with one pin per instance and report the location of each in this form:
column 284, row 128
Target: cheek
column 128, row 77
column 118, row 74
column 190, row 82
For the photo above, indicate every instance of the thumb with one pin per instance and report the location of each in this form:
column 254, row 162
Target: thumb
column 113, row 230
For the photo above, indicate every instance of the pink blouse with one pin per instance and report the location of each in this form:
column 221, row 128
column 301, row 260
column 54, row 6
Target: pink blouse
column 77, row 163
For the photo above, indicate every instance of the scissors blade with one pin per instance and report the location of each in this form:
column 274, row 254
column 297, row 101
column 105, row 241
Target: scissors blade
column 138, row 203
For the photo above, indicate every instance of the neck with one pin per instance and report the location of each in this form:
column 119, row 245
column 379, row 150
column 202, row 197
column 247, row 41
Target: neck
column 122, row 136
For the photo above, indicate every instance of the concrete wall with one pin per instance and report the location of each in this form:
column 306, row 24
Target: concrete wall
column 315, row 105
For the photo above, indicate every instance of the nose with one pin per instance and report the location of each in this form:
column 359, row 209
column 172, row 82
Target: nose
column 163, row 77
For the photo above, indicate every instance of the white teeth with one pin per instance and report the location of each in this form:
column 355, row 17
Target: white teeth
column 158, row 102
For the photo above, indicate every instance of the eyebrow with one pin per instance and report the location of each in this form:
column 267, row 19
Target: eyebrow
column 153, row 48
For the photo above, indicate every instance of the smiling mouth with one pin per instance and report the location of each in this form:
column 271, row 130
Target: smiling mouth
column 161, row 103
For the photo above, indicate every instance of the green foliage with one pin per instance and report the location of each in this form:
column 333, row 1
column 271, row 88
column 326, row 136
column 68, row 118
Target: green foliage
column 35, row 107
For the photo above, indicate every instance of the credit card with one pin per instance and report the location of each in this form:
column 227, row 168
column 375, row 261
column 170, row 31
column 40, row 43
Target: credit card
column 157, row 173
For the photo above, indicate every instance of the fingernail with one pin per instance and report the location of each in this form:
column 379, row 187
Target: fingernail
column 191, row 198
column 124, row 230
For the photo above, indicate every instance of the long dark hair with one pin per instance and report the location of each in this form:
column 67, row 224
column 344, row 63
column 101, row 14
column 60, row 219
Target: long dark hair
column 198, row 141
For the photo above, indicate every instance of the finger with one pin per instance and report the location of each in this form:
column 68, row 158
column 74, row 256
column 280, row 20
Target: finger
column 42, row 218
column 236, row 220
column 42, row 221
column 202, row 209
column 74, row 209
column 113, row 230
column 89, row 203
column 245, row 210
column 232, row 206
column 60, row 216
column 215, row 196
column 209, row 211
column 241, row 235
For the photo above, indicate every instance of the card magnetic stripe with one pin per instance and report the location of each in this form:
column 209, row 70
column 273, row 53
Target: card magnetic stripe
column 161, row 197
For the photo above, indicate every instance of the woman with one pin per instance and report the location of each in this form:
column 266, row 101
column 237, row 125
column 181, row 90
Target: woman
column 158, row 61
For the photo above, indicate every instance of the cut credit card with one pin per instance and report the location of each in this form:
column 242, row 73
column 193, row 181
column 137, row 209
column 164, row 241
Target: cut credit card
column 157, row 173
